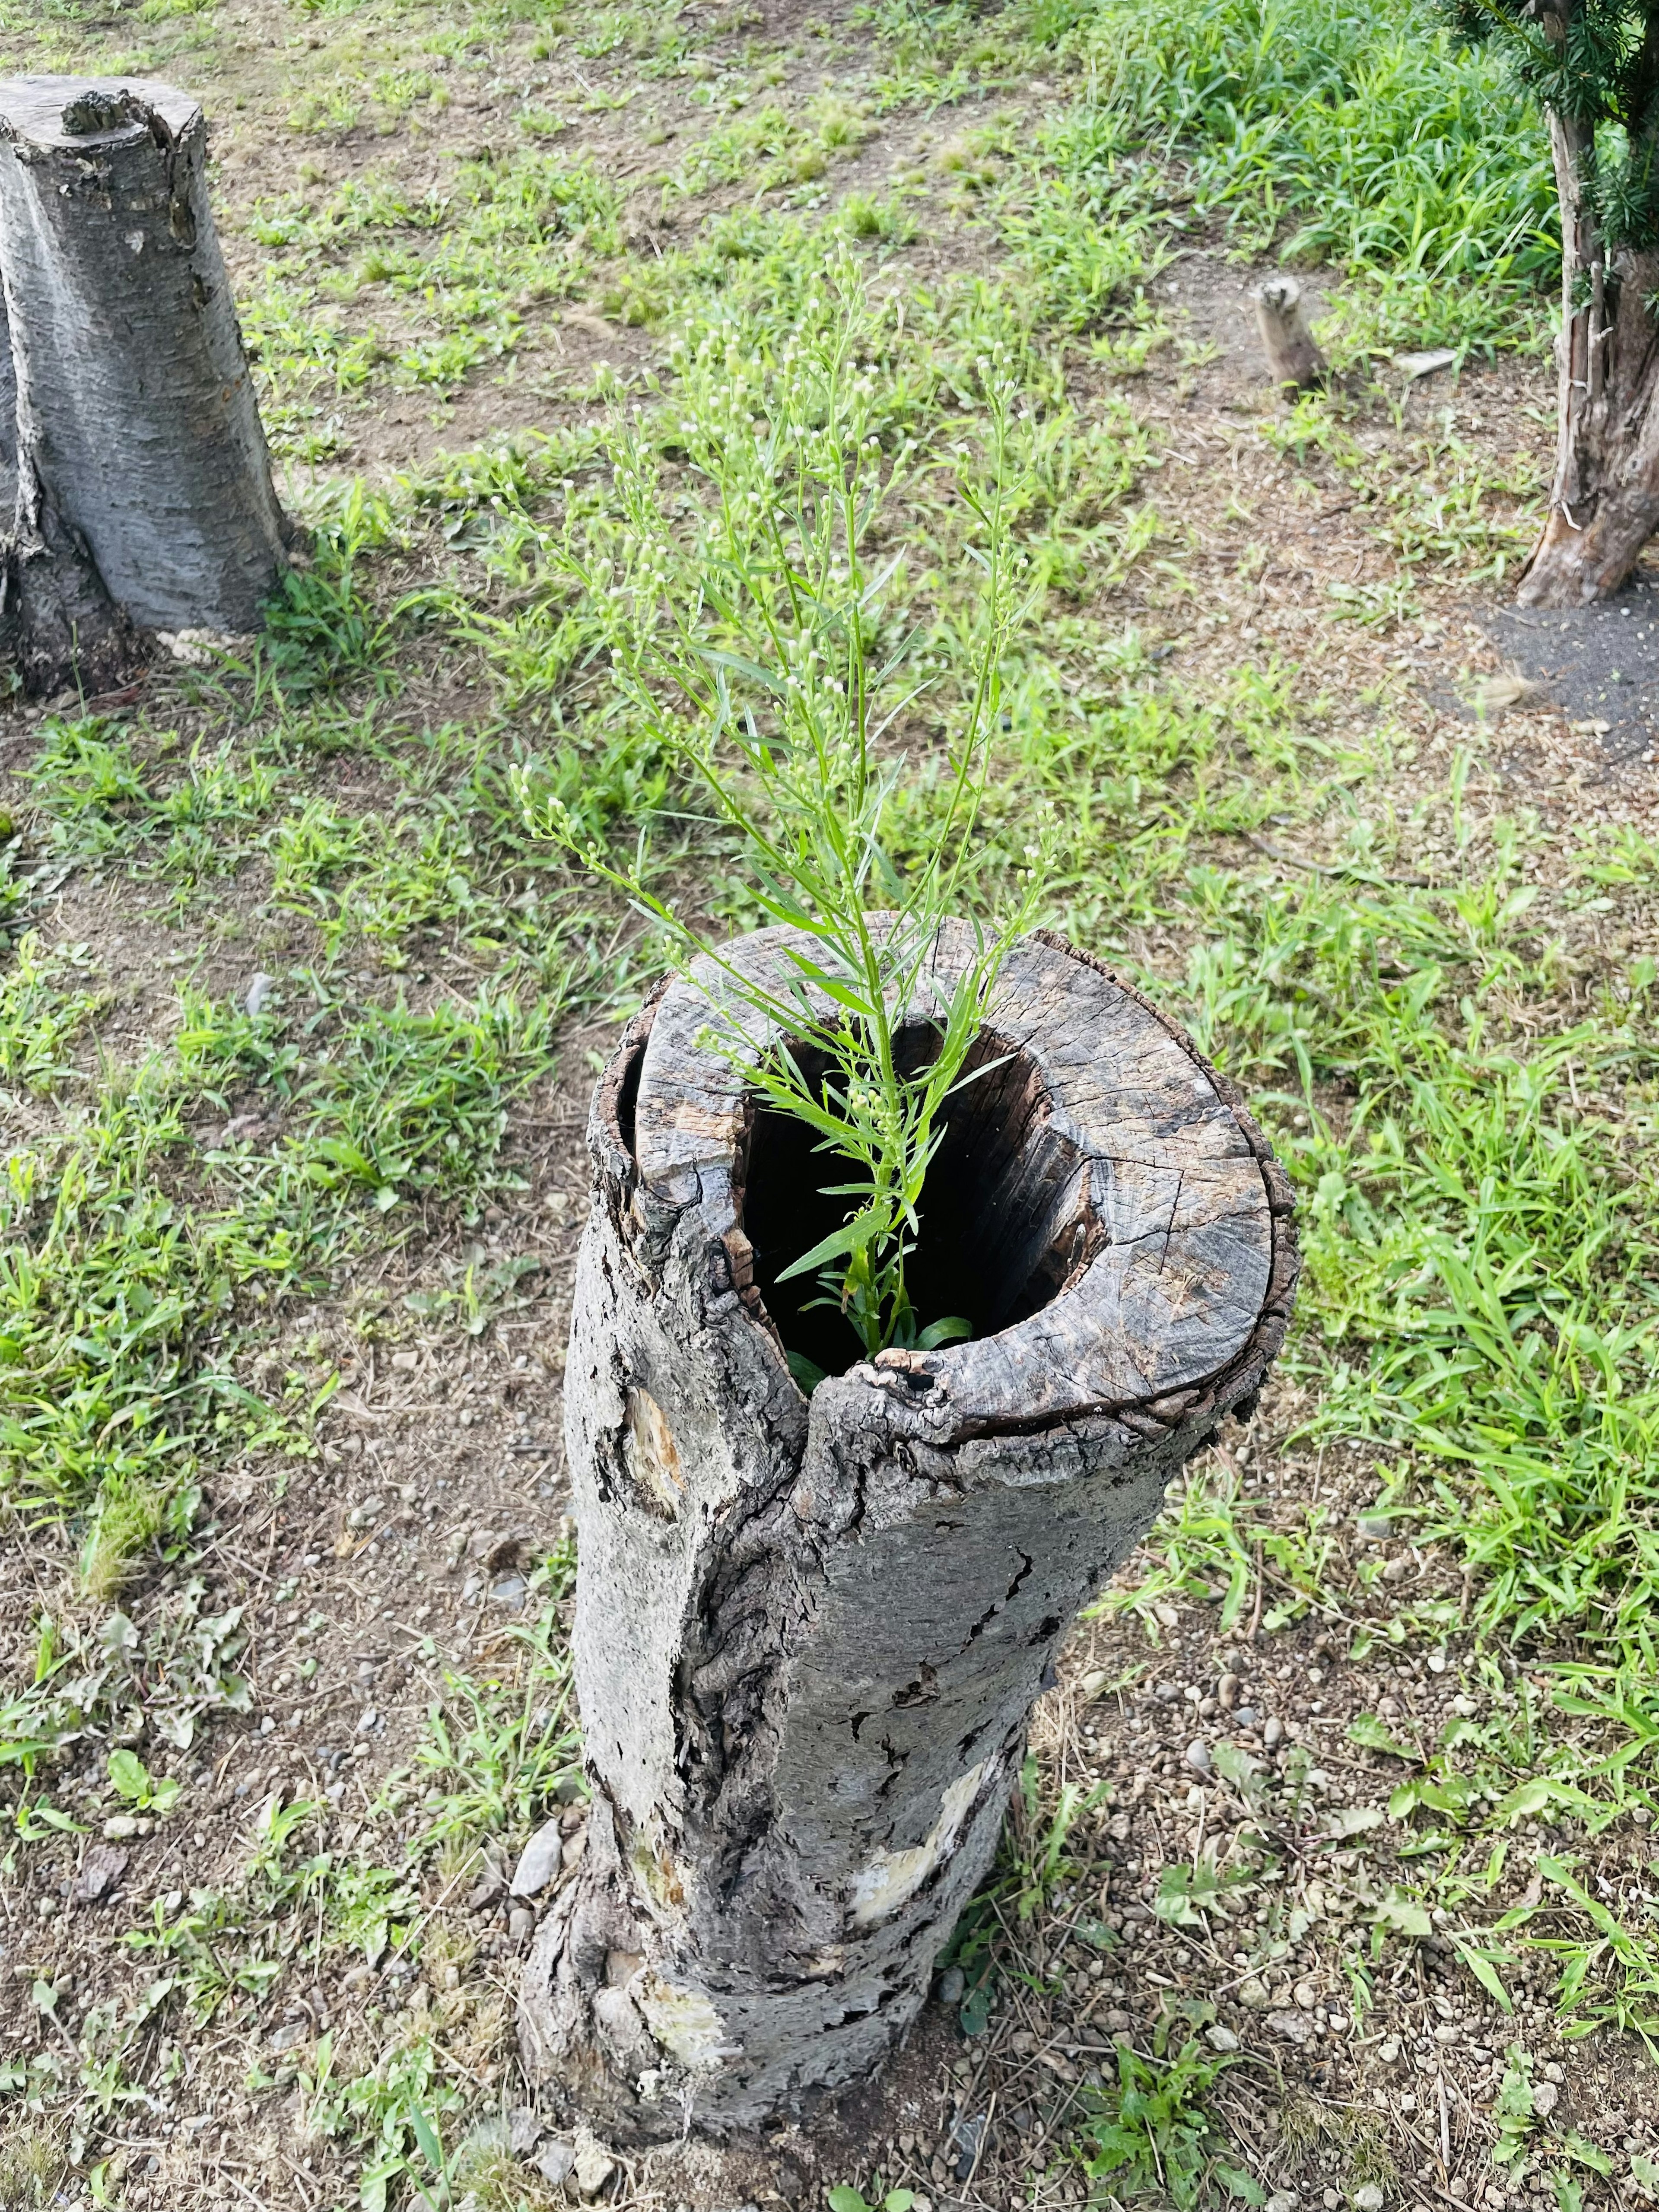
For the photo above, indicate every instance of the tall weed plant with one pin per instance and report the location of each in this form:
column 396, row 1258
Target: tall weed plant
column 778, row 672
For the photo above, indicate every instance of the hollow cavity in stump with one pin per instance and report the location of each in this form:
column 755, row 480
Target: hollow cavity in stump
column 809, row 1634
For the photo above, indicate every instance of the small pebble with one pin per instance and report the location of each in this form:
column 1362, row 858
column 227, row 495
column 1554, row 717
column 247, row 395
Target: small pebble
column 1198, row 1755
column 1368, row 2199
column 952, row 1984
column 523, row 2131
column 260, row 987
column 521, row 1923
column 593, row 2165
column 555, row 2162
column 1272, row 1734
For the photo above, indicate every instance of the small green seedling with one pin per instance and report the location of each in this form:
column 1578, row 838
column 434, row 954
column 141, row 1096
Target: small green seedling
column 853, row 2200
column 131, row 1779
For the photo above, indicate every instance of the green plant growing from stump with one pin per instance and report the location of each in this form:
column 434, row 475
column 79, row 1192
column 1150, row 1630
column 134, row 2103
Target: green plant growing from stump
column 767, row 686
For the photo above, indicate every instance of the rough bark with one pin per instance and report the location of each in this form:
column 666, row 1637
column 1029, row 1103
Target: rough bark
column 1293, row 358
column 1604, row 501
column 143, row 486
column 808, row 1633
column 7, row 415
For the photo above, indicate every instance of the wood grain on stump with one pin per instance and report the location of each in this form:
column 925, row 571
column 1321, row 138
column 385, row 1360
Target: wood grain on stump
column 143, row 487
column 809, row 1634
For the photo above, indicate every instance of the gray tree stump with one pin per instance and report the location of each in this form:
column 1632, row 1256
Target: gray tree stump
column 142, row 486
column 1293, row 357
column 808, row 1633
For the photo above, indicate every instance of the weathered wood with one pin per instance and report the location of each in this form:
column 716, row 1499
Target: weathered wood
column 809, row 1634
column 1604, row 501
column 1293, row 357
column 7, row 415
column 143, row 486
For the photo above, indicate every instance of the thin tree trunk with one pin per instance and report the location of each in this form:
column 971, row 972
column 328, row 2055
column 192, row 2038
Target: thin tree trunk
column 143, row 487
column 1604, row 501
column 809, row 1632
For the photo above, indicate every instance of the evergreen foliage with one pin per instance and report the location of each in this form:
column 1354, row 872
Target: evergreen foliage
column 1594, row 63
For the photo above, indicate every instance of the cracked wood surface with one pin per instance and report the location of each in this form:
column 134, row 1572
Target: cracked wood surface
column 809, row 1635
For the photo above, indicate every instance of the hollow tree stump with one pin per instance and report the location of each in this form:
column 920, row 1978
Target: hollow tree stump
column 143, row 487
column 808, row 1633
column 1293, row 357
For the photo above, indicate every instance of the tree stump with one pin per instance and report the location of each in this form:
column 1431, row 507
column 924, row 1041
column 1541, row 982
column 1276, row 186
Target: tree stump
column 1293, row 358
column 808, row 1633
column 143, row 489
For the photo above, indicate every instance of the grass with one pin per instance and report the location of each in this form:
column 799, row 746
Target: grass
column 1460, row 1070
column 1364, row 138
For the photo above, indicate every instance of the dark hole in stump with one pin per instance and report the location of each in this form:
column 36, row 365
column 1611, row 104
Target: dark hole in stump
column 1005, row 1210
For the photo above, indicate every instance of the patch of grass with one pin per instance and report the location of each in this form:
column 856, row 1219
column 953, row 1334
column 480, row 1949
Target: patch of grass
column 39, row 1016
column 460, row 266
column 498, row 1748
column 1365, row 137
column 31, row 2163
column 1147, row 2135
column 130, row 1275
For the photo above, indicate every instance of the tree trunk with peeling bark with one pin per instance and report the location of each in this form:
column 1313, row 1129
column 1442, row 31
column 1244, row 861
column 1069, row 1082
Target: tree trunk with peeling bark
column 143, row 490
column 810, row 1632
column 1604, row 501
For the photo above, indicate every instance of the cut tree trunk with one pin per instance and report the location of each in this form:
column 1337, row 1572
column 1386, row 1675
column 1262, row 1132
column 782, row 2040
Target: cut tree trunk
column 1604, row 502
column 808, row 1633
column 143, row 490
column 1293, row 358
